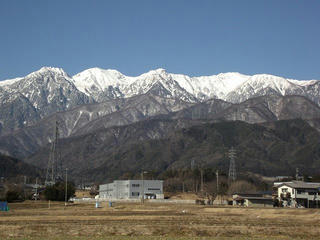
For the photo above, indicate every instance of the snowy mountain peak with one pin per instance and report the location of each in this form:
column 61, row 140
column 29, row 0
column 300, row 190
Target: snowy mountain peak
column 99, row 83
column 52, row 70
column 154, row 74
column 266, row 80
column 48, row 71
column 98, row 74
column 97, row 70
column 230, row 75
column 157, row 71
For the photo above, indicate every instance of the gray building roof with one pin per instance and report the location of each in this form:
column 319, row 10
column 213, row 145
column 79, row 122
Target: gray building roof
column 300, row 184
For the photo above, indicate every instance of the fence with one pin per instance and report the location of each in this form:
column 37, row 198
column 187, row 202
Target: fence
column 92, row 200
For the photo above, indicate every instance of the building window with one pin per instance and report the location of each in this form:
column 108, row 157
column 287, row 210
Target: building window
column 292, row 191
column 135, row 185
column 154, row 189
column 284, row 190
column 135, row 194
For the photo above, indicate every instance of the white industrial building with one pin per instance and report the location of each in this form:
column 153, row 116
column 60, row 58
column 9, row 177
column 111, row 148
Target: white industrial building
column 298, row 193
column 132, row 189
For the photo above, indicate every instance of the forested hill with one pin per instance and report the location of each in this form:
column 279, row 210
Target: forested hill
column 275, row 148
column 14, row 168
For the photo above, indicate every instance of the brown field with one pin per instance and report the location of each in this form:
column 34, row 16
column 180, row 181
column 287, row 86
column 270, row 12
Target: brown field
column 30, row 220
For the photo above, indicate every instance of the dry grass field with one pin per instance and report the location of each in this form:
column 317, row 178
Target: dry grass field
column 30, row 220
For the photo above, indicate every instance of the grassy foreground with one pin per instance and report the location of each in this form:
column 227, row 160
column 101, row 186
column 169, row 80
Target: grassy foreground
column 30, row 220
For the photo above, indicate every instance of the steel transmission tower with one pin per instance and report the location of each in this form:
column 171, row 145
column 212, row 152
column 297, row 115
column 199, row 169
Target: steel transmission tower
column 54, row 169
column 232, row 166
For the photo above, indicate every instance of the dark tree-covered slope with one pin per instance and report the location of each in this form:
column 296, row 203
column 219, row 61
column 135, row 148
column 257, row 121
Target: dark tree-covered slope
column 275, row 148
column 12, row 167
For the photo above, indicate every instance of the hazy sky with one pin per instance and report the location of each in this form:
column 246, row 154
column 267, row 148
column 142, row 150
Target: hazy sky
column 200, row 37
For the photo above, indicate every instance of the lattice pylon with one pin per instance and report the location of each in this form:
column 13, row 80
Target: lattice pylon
column 232, row 167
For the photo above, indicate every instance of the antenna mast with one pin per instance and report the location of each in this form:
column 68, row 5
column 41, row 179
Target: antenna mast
column 232, row 166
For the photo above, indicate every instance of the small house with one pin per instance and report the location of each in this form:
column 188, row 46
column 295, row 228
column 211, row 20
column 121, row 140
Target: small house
column 298, row 194
column 252, row 200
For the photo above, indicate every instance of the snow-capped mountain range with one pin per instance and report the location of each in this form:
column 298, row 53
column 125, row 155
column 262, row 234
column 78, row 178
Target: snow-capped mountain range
column 99, row 84
column 26, row 100
column 223, row 86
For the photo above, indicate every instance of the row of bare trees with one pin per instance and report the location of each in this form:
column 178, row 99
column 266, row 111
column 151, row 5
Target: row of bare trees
column 204, row 181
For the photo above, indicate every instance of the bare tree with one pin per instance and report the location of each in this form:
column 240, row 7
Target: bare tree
column 241, row 187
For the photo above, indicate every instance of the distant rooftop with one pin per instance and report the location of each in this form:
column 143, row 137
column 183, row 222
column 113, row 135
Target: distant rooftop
column 299, row 184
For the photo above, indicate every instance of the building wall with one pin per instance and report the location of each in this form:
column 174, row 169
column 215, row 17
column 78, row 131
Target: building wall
column 121, row 190
column 309, row 194
column 106, row 190
column 132, row 189
column 286, row 189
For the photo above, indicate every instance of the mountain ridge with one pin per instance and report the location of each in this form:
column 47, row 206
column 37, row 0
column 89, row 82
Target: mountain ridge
column 119, row 112
column 51, row 90
column 219, row 86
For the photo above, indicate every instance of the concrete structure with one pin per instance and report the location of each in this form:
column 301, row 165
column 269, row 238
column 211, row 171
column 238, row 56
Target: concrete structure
column 252, row 200
column 132, row 189
column 297, row 194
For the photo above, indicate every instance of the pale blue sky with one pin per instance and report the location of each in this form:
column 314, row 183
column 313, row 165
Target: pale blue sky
column 200, row 37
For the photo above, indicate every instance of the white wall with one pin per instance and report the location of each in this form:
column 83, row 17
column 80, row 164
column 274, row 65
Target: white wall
column 124, row 189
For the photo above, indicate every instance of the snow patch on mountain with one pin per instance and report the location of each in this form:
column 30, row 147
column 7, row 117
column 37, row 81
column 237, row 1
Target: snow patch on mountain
column 9, row 81
column 303, row 82
column 215, row 86
column 95, row 80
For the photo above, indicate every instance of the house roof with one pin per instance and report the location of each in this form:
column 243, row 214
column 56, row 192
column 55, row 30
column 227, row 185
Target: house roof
column 300, row 184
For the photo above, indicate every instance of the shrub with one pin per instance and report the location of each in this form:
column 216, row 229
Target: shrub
column 57, row 191
column 13, row 195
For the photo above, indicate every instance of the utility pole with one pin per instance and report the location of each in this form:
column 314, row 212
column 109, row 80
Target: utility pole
column 36, row 189
column 217, row 175
column 201, row 175
column 66, row 193
column 297, row 174
column 24, row 187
